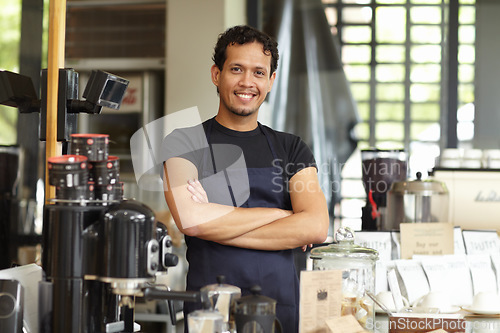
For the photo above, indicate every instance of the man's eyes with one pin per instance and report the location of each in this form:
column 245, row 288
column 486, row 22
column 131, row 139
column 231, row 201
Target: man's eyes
column 239, row 70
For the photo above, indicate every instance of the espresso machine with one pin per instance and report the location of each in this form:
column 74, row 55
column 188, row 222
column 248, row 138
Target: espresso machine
column 100, row 251
column 380, row 168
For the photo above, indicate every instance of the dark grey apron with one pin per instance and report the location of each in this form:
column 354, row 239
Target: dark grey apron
column 274, row 271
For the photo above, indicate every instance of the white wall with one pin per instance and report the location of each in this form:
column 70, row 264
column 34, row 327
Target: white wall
column 192, row 30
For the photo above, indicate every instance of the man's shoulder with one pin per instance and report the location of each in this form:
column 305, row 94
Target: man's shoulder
column 184, row 140
column 280, row 134
column 190, row 130
column 285, row 139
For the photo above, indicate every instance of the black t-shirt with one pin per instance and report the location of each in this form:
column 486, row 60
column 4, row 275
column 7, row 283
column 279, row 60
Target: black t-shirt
column 227, row 146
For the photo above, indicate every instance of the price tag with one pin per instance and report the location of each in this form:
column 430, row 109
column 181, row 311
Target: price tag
column 413, row 278
column 483, row 277
column 382, row 242
column 449, row 274
column 481, row 241
column 378, row 240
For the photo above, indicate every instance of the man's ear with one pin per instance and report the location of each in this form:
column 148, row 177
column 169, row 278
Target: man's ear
column 271, row 81
column 215, row 74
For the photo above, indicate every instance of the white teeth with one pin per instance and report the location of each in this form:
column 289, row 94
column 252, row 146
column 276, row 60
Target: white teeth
column 248, row 96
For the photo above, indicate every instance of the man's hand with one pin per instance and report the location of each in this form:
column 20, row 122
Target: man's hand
column 198, row 192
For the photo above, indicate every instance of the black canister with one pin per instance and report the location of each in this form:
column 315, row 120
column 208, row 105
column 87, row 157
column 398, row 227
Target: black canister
column 105, row 172
column 110, row 192
column 68, row 170
column 93, row 146
column 83, row 192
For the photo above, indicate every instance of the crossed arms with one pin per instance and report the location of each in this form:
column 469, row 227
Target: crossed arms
column 253, row 228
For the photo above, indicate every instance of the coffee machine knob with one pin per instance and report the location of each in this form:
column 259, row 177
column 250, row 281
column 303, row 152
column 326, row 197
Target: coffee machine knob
column 170, row 260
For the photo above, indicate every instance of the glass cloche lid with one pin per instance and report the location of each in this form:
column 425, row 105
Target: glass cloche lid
column 344, row 248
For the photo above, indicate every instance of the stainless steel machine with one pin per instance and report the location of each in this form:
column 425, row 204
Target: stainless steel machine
column 416, row 201
column 100, row 251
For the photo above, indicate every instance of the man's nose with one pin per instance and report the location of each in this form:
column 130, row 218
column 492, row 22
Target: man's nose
column 247, row 80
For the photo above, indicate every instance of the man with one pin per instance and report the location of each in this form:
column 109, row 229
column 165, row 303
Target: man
column 244, row 224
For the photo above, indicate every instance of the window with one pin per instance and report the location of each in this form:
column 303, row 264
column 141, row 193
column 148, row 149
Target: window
column 9, row 60
column 395, row 58
column 10, row 41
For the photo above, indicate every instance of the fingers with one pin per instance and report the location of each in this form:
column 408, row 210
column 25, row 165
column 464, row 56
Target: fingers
column 304, row 247
column 198, row 193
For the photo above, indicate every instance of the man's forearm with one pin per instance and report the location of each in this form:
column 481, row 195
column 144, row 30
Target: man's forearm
column 287, row 233
column 219, row 222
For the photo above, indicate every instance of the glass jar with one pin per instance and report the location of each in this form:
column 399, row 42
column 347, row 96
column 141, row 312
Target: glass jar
column 358, row 274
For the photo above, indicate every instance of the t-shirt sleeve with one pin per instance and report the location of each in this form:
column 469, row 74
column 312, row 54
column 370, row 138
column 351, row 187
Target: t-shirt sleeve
column 185, row 143
column 299, row 155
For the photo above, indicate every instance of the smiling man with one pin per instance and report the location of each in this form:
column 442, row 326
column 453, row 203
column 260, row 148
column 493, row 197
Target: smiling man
column 244, row 222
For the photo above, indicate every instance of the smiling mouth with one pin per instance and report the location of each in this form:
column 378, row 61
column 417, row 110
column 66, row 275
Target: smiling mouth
column 244, row 96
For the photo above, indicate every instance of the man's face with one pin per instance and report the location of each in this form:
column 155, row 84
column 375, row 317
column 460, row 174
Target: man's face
column 244, row 80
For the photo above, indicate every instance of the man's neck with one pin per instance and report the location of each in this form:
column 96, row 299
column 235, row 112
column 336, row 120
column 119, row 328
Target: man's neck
column 237, row 123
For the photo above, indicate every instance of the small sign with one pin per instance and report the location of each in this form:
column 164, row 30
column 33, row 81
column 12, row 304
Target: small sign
column 320, row 299
column 426, row 239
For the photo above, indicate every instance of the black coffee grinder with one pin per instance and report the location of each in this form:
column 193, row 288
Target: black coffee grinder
column 380, row 168
column 100, row 251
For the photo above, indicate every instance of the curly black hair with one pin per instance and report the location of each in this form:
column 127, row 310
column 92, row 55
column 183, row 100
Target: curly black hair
column 243, row 34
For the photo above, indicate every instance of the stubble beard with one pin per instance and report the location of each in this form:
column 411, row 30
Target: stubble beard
column 243, row 112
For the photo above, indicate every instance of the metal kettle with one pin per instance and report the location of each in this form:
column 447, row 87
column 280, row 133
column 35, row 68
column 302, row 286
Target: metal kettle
column 222, row 298
column 256, row 313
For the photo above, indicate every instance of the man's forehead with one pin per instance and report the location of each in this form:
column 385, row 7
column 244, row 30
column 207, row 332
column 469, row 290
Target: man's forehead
column 235, row 46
